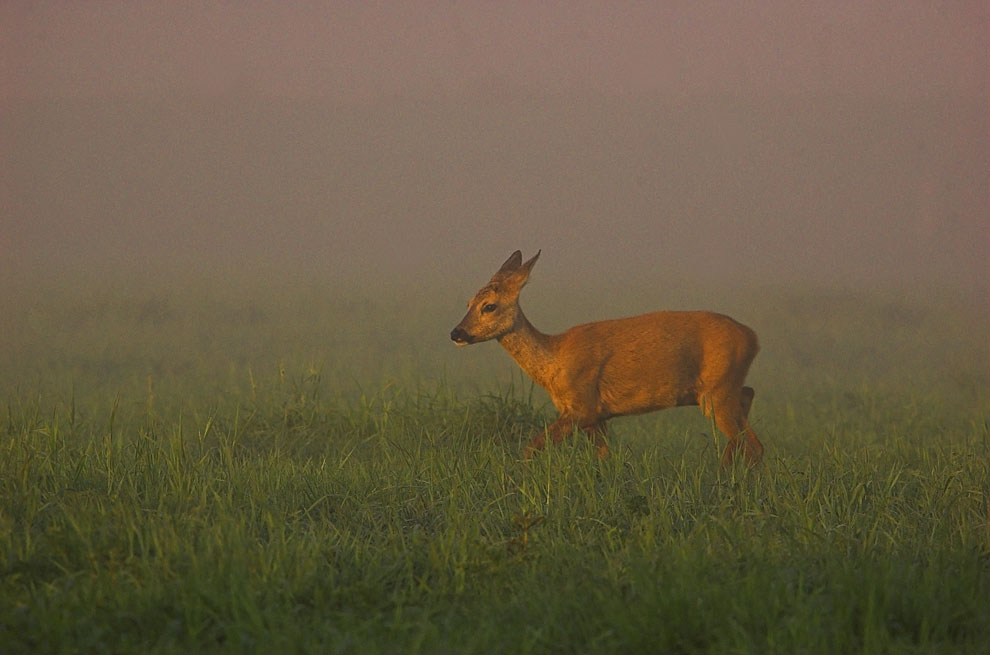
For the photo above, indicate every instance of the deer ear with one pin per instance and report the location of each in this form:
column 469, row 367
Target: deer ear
column 528, row 266
column 516, row 278
column 511, row 264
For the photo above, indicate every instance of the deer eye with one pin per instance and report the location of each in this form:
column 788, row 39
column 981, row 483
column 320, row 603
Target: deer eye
column 489, row 308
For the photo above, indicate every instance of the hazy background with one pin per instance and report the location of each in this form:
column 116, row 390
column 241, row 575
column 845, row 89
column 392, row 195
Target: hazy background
column 837, row 144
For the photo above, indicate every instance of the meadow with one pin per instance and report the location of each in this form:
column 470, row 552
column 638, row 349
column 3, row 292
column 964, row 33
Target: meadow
column 195, row 467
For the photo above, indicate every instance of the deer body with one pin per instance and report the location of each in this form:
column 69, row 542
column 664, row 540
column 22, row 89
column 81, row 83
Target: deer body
column 597, row 371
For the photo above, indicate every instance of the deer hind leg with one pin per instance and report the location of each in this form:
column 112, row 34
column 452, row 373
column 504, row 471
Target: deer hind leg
column 754, row 449
column 730, row 410
column 747, row 400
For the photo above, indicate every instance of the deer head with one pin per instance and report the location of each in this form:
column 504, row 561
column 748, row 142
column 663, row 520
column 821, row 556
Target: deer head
column 495, row 308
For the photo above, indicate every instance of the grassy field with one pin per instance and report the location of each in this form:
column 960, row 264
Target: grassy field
column 189, row 469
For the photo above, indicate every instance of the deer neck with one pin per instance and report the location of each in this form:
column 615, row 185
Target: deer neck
column 530, row 349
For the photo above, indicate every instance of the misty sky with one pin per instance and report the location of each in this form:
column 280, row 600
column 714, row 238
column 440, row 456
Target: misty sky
column 840, row 142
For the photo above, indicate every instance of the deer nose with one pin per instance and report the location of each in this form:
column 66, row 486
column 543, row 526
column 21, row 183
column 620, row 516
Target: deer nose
column 458, row 335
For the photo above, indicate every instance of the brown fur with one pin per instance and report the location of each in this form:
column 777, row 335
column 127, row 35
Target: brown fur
column 620, row 367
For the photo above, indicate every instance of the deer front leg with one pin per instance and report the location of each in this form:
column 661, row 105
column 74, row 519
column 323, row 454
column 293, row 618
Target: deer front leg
column 557, row 430
column 596, row 433
column 564, row 427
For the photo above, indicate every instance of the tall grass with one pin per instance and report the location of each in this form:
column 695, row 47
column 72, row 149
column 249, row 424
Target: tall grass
column 206, row 482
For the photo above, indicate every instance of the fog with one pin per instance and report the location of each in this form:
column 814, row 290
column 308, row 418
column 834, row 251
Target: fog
column 841, row 145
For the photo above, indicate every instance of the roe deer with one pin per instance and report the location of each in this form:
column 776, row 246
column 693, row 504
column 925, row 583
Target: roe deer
column 625, row 366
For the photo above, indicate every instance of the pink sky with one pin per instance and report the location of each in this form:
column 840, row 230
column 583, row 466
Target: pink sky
column 774, row 139
column 357, row 50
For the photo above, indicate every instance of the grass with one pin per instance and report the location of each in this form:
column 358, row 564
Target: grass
column 178, row 475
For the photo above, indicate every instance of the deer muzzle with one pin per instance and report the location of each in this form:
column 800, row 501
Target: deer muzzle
column 460, row 337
